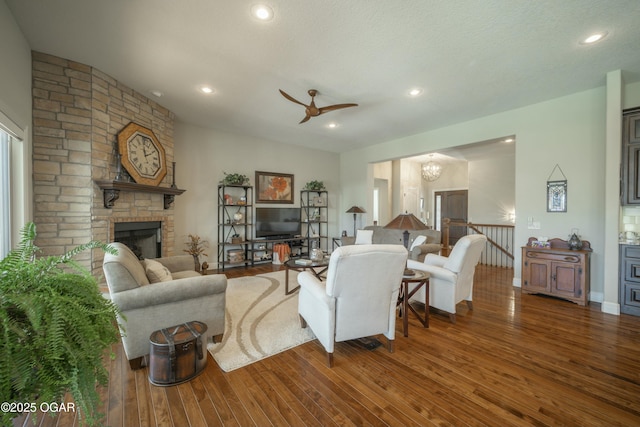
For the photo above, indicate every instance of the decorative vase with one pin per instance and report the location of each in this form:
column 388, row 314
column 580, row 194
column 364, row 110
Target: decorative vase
column 316, row 253
column 574, row 242
column 196, row 262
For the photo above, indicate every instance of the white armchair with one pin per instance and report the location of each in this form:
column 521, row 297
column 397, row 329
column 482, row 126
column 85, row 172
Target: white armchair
column 451, row 278
column 358, row 298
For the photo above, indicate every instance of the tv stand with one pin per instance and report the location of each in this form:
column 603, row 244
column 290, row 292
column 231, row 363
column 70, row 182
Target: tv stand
column 261, row 250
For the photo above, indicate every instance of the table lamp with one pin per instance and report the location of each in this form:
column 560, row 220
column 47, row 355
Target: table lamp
column 406, row 222
column 355, row 210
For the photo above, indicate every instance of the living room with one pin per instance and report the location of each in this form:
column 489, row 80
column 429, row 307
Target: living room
column 578, row 126
column 579, row 130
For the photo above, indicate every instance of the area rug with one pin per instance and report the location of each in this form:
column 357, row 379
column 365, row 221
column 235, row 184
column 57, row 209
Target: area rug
column 260, row 320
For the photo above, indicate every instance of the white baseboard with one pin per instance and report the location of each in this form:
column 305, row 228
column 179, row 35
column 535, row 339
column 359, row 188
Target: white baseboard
column 517, row 282
column 611, row 308
column 596, row 296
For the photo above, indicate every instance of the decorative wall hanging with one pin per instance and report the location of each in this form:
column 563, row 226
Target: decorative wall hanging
column 557, row 192
column 274, row 187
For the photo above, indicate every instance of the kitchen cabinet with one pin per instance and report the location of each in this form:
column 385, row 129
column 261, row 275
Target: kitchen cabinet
column 629, row 279
column 557, row 271
column 631, row 157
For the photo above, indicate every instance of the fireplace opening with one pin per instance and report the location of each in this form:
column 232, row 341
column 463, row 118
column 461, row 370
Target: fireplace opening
column 143, row 238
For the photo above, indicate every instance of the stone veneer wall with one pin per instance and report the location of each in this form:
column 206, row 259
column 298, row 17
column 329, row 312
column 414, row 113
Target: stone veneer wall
column 77, row 114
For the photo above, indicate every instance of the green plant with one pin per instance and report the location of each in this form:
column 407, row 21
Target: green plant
column 54, row 328
column 234, row 179
column 314, row 185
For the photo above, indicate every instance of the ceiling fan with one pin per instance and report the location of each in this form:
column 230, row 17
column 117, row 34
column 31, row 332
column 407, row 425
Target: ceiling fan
column 311, row 109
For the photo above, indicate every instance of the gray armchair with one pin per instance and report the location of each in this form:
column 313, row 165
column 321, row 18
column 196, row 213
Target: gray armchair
column 186, row 295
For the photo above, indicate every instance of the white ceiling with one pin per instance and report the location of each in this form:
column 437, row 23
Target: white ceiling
column 471, row 57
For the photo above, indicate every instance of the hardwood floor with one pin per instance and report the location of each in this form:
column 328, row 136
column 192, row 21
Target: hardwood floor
column 515, row 360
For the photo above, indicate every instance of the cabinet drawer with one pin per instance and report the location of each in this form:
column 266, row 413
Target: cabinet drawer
column 547, row 256
column 631, row 252
column 632, row 270
column 630, row 298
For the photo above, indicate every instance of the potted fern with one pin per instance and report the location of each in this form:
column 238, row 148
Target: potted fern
column 54, row 328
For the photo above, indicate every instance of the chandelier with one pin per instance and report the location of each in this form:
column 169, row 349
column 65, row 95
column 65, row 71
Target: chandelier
column 431, row 170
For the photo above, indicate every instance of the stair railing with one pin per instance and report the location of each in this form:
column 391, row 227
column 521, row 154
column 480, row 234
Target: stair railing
column 499, row 249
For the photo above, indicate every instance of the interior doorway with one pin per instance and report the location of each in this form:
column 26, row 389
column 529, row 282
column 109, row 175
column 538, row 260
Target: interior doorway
column 452, row 205
column 381, row 202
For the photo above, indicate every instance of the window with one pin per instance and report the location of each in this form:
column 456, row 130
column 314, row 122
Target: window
column 5, row 194
column 15, row 184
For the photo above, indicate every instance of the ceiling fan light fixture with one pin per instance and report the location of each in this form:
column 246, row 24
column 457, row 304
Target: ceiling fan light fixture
column 262, row 12
column 311, row 110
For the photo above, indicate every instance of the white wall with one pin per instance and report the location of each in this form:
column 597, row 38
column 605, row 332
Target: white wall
column 203, row 155
column 15, row 73
column 569, row 130
column 492, row 189
column 15, row 104
column 631, row 95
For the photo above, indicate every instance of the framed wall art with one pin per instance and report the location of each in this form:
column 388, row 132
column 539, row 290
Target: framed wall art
column 274, row 187
column 556, row 196
column 557, row 192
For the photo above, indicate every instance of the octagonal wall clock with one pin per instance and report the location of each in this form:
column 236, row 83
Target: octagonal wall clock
column 141, row 154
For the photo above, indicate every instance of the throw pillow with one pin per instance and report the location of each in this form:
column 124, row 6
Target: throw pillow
column 156, row 272
column 418, row 241
column 364, row 237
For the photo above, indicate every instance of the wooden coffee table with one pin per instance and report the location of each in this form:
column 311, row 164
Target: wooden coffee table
column 291, row 265
column 422, row 279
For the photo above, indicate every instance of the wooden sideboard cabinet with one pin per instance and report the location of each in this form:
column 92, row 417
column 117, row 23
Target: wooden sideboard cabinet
column 629, row 278
column 557, row 271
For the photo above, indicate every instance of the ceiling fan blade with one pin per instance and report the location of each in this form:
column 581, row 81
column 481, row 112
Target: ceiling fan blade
column 291, row 98
column 335, row 107
column 307, row 117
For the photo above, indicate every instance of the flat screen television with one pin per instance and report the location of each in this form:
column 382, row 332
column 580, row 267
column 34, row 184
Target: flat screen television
column 277, row 223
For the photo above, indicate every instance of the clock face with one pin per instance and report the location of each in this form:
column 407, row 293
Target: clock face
column 142, row 155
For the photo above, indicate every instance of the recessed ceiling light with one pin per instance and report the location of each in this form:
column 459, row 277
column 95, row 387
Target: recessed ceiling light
column 156, row 93
column 508, row 140
column 596, row 37
column 206, row 89
column 416, row 91
column 262, row 12
column 332, row 125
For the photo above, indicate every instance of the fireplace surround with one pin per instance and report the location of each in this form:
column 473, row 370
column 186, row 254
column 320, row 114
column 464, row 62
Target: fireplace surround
column 144, row 238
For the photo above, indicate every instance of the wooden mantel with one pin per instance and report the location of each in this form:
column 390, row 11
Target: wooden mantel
column 111, row 191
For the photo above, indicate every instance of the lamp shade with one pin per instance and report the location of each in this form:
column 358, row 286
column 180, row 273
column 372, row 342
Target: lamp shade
column 355, row 210
column 406, row 221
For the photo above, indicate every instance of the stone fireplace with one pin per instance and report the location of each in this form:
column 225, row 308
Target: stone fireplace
column 77, row 114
